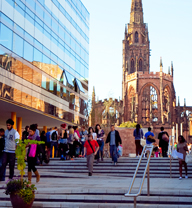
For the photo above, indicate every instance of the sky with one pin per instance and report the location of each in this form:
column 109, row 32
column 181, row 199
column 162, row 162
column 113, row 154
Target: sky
column 170, row 33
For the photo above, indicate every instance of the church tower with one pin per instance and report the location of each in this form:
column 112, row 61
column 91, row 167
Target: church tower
column 136, row 54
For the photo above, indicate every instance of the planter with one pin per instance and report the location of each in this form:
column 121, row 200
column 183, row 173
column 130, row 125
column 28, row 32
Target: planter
column 18, row 202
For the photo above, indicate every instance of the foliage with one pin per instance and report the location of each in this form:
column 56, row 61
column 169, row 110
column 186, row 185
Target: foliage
column 22, row 188
column 129, row 124
column 21, row 152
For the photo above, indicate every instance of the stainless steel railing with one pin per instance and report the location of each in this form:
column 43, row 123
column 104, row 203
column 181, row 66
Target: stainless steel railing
column 129, row 194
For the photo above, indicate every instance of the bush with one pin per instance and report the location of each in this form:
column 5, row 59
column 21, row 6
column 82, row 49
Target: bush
column 129, row 124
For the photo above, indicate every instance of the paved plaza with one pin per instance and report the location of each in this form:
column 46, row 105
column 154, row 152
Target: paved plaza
column 62, row 186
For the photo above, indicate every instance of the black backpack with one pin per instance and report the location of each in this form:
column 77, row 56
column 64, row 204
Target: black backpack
column 54, row 136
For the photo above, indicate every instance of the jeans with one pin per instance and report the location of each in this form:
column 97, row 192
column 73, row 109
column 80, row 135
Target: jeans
column 82, row 148
column 53, row 144
column 1, row 161
column 101, row 145
column 8, row 158
column 113, row 152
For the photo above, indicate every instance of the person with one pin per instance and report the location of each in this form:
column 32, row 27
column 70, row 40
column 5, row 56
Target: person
column 70, row 141
column 9, row 150
column 63, row 142
column 138, row 134
column 149, row 137
column 25, row 133
column 91, row 131
column 42, row 147
column 37, row 130
column 182, row 148
column 30, row 159
column 91, row 148
column 114, row 140
column 83, row 136
column 48, row 142
column 76, row 143
column 2, row 145
column 54, row 141
column 163, row 143
column 100, row 140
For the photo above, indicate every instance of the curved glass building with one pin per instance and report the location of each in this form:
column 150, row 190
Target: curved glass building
column 44, row 61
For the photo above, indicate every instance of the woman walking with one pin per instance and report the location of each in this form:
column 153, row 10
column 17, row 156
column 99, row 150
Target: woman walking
column 138, row 134
column 70, row 141
column 182, row 148
column 31, row 156
column 100, row 140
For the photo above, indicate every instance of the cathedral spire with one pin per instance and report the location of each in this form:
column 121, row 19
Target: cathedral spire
column 136, row 12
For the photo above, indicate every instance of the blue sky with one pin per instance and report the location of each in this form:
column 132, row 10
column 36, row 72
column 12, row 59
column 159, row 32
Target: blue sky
column 170, row 34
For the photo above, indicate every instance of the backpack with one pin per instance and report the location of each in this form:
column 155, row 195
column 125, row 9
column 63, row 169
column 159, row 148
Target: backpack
column 54, row 136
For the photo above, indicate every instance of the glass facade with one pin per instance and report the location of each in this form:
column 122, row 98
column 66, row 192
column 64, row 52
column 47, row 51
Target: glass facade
column 46, row 43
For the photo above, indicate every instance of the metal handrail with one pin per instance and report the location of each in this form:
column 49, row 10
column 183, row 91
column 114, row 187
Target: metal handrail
column 128, row 194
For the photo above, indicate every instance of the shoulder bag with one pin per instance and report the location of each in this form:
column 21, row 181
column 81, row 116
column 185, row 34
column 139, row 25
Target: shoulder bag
column 91, row 146
column 142, row 141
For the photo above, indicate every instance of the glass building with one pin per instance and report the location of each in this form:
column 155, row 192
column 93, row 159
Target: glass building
column 44, row 58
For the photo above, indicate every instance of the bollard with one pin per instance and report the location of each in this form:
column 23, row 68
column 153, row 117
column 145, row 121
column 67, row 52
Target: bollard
column 53, row 151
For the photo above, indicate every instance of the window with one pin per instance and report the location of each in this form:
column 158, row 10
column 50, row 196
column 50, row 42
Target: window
column 140, row 65
column 136, row 37
column 132, row 66
column 6, row 38
column 80, row 86
column 18, row 45
column 149, row 105
column 28, row 51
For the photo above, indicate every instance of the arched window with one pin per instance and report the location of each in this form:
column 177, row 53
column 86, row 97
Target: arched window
column 166, row 105
column 149, row 105
column 132, row 66
column 131, row 104
column 140, row 65
column 136, row 37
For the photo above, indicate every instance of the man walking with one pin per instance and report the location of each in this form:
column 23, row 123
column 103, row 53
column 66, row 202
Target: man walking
column 9, row 150
column 163, row 141
column 114, row 140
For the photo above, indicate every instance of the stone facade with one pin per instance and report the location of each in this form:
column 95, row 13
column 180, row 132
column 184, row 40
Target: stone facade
column 148, row 98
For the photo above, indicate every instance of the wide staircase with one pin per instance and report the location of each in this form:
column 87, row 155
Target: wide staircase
column 66, row 184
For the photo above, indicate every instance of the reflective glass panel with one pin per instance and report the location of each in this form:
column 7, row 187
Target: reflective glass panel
column 6, row 37
column 37, row 55
column 80, row 85
column 28, row 51
column 18, row 45
column 70, row 78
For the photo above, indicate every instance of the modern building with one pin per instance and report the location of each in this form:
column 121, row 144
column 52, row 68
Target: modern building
column 44, row 62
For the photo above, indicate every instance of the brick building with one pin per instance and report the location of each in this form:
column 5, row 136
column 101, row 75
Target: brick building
column 148, row 98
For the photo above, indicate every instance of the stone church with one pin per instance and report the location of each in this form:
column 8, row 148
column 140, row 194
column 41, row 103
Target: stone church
column 147, row 98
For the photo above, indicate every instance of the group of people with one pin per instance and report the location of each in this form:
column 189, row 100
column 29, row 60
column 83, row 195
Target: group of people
column 72, row 142
column 162, row 149
column 8, row 145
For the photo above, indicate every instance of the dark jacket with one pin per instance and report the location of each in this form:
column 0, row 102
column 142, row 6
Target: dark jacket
column 2, row 144
column 117, row 138
column 162, row 143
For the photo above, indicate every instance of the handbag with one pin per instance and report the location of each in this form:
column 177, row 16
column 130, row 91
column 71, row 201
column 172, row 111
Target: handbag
column 142, row 142
column 188, row 158
column 151, row 139
column 165, row 137
column 32, row 151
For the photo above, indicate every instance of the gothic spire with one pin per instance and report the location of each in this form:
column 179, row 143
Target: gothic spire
column 136, row 12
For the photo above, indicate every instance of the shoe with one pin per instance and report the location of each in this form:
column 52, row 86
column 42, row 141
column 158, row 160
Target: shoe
column 72, row 159
column 115, row 164
column 97, row 161
column 186, row 177
column 102, row 159
column 180, row 178
column 29, row 177
column 89, row 174
column 37, row 176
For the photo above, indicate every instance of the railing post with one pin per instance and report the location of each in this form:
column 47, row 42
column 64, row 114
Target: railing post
column 135, row 202
column 148, row 177
column 170, row 167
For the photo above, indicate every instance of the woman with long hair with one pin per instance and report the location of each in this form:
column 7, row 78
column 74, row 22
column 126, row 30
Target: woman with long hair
column 91, row 131
column 31, row 159
column 182, row 148
column 100, row 140
column 138, row 134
